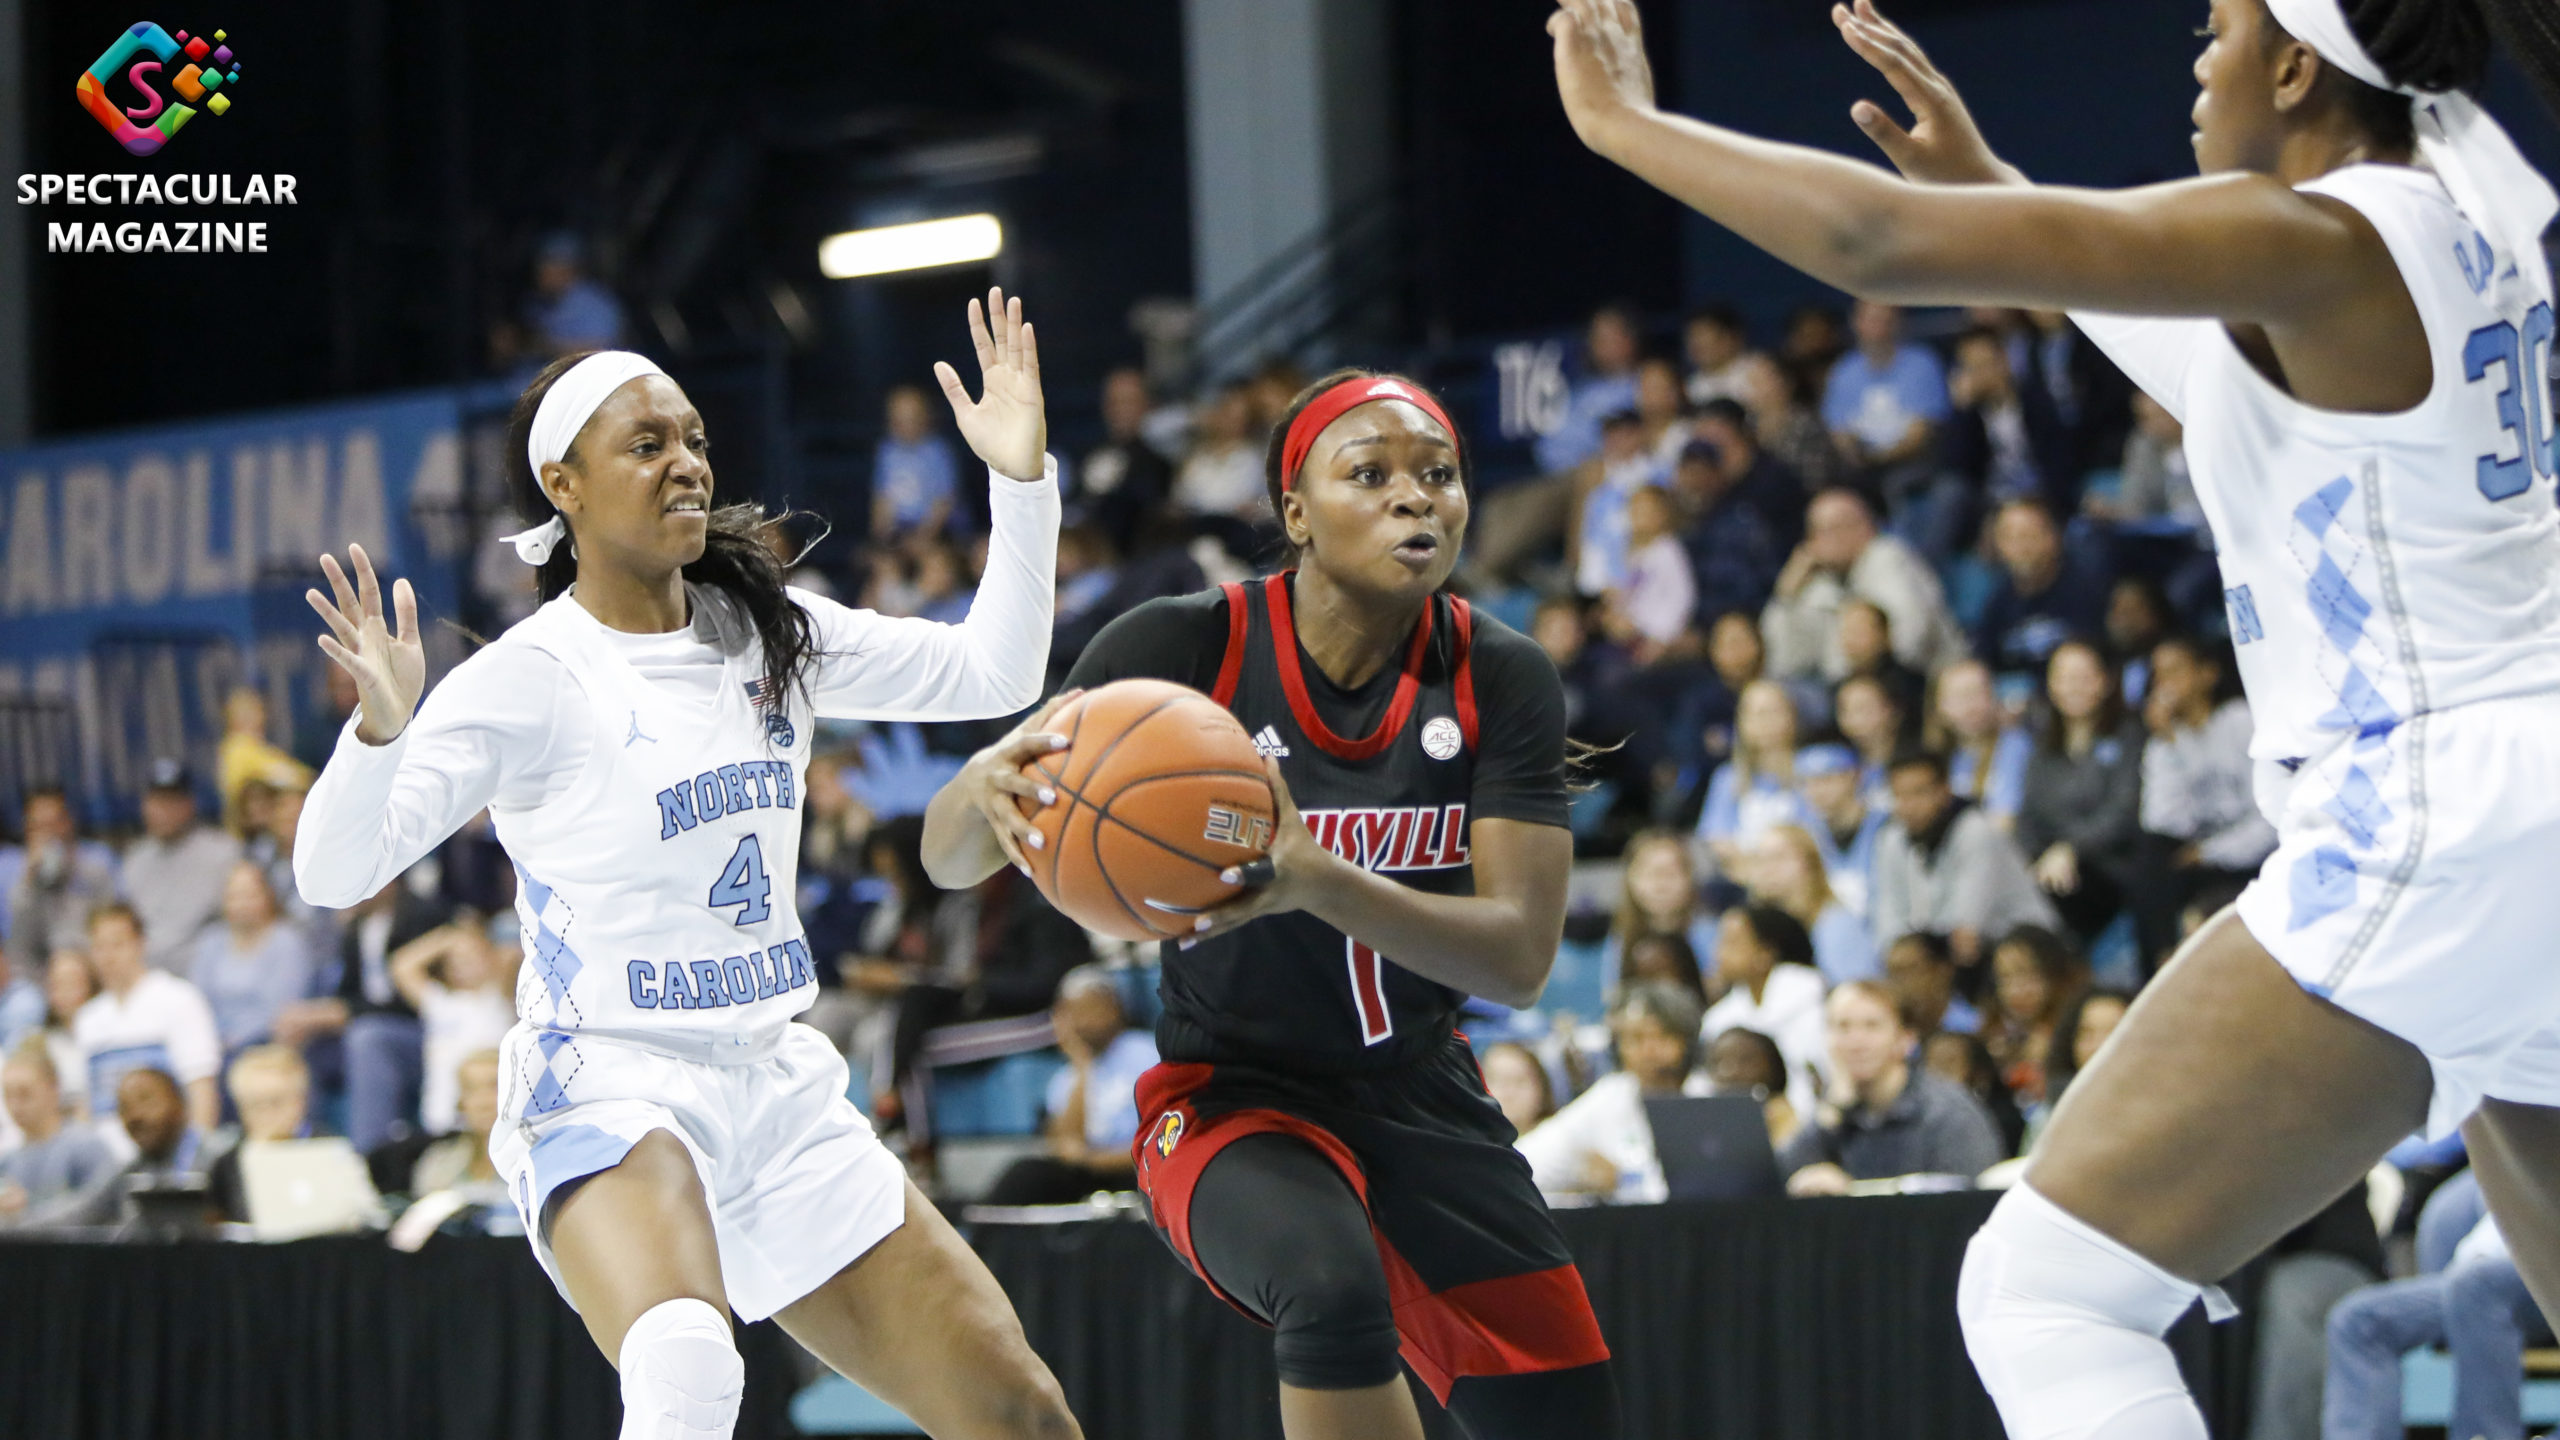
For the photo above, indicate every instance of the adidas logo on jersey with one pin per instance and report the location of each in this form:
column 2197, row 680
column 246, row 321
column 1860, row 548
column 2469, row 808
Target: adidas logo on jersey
column 1268, row 742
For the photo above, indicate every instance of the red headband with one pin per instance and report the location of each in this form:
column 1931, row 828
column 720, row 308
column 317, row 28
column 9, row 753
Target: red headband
column 1333, row 404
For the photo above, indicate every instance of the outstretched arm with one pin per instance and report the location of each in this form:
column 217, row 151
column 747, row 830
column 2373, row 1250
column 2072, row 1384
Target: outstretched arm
column 875, row 667
column 2240, row 247
column 398, row 783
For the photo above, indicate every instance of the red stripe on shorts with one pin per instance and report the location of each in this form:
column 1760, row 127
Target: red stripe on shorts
column 1510, row 1325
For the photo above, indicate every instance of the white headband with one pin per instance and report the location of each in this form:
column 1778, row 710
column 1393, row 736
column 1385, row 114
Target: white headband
column 2491, row 182
column 564, row 411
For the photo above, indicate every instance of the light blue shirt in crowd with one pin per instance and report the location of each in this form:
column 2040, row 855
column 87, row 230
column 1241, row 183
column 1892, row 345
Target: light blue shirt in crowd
column 248, row 989
column 915, row 475
column 1578, row 438
column 1110, row 1091
column 2001, row 791
column 1742, row 815
column 1877, row 405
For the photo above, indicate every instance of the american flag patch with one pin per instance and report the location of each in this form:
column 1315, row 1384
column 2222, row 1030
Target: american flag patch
column 760, row 691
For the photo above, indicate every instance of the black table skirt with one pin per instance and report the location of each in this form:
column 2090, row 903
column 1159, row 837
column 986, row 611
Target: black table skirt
column 1780, row 1319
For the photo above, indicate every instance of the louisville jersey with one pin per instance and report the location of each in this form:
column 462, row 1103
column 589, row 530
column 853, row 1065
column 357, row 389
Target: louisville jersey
column 1390, row 774
column 2378, row 567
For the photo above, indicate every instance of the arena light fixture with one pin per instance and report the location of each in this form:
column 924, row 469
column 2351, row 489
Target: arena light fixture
column 887, row 249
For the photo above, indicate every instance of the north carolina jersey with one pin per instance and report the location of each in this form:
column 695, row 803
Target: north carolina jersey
column 2378, row 567
column 656, row 893
column 1392, row 775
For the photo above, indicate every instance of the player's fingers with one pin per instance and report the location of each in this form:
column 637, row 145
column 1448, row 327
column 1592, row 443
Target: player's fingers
column 1000, row 325
column 1880, row 127
column 1013, row 855
column 329, row 615
column 952, row 388
column 1030, row 354
column 346, row 658
column 980, row 340
column 1023, row 749
column 368, row 585
column 340, row 588
column 1014, row 782
column 404, row 607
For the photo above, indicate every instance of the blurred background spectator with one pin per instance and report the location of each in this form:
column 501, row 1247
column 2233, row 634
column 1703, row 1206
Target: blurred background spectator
column 915, row 477
column 61, row 879
column 270, row 1090
column 252, row 965
column 174, row 871
column 1880, row 1117
column 142, row 1018
column 2079, row 817
column 1600, row 1143
column 1092, row 1107
column 153, row 1118
column 1942, row 865
column 55, row 1158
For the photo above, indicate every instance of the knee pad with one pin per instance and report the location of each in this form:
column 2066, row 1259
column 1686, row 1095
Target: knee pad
column 1334, row 1324
column 681, row 1375
column 2064, row 1325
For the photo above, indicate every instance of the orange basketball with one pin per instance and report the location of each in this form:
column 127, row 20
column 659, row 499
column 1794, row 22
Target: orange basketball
column 1158, row 790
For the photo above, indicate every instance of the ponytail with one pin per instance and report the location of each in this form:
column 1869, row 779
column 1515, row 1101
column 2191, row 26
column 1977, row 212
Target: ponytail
column 735, row 559
column 2529, row 31
column 2447, row 45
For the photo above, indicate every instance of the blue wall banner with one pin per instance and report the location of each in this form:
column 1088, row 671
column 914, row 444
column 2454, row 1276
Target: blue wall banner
column 144, row 573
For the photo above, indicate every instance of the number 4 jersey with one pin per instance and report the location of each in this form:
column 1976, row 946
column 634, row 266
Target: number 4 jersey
column 1467, row 725
column 648, row 788
column 2379, row 567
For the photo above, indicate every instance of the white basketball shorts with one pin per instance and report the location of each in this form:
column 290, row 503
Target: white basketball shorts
column 2417, row 885
column 798, row 1184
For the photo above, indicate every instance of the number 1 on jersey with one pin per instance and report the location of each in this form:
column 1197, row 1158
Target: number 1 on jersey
column 743, row 882
column 1369, row 992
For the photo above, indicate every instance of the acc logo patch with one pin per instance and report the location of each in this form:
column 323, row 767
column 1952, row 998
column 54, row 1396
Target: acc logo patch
column 1441, row 737
column 1168, row 1133
column 777, row 728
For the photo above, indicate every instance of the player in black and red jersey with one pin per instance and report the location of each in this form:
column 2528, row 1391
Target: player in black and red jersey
column 1318, row 1145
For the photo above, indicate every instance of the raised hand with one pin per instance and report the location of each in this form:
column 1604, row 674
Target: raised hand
column 389, row 666
column 1601, row 70
column 1942, row 146
column 1007, row 425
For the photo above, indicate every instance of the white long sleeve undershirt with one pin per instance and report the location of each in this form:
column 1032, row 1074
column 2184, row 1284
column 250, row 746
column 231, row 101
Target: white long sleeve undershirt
column 498, row 730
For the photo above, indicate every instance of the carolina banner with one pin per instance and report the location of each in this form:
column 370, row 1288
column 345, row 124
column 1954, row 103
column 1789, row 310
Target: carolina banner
column 143, row 573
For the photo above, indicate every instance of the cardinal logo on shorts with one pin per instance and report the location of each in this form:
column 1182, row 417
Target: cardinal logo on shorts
column 1168, row 1133
column 1441, row 737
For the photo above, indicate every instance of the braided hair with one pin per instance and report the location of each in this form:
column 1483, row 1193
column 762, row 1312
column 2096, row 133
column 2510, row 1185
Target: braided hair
column 734, row 557
column 2445, row 45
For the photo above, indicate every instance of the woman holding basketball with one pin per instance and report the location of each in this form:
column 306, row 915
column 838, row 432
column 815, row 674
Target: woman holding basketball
column 2351, row 311
column 679, row 1148
column 1318, row 1145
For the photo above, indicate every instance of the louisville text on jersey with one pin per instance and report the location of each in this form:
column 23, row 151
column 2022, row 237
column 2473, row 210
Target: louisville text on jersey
column 748, row 785
column 1408, row 837
column 712, row 984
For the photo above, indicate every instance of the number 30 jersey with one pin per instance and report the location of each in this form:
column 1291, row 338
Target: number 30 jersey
column 2379, row 567
column 1468, row 725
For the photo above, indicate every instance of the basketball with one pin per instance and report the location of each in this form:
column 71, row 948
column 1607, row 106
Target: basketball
column 1158, row 790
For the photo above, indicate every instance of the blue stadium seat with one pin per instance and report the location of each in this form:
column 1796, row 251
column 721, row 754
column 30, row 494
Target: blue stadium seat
column 993, row 1097
column 833, row 1405
column 2426, row 1392
column 1579, row 983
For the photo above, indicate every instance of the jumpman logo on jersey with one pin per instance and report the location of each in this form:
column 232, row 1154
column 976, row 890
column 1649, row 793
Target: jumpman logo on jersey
column 1268, row 742
column 635, row 736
